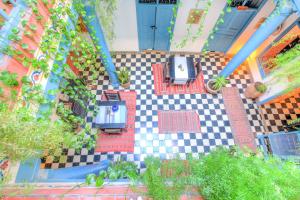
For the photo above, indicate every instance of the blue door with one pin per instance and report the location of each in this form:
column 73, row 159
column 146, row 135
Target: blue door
column 234, row 23
column 153, row 18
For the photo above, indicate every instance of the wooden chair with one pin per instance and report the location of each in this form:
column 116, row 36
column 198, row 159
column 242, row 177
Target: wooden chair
column 112, row 96
column 112, row 130
column 166, row 73
column 198, row 69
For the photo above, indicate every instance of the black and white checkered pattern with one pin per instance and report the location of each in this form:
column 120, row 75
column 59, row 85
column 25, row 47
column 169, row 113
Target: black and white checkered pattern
column 215, row 127
column 276, row 115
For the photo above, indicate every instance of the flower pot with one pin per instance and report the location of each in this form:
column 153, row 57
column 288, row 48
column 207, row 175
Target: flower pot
column 251, row 92
column 209, row 87
column 126, row 85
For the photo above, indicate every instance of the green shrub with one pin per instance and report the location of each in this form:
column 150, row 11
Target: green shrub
column 159, row 186
column 9, row 79
column 24, row 136
column 231, row 175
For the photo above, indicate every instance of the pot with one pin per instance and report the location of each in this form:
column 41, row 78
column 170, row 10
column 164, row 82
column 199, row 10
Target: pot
column 209, row 87
column 126, row 85
column 251, row 92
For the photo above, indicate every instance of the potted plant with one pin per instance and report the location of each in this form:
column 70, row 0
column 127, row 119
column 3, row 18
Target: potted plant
column 123, row 76
column 213, row 86
column 255, row 90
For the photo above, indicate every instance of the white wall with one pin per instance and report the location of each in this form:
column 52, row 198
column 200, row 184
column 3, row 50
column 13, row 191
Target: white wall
column 127, row 33
column 125, row 27
column 180, row 28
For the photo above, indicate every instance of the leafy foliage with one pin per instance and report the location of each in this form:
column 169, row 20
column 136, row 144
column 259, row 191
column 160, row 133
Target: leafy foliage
column 225, row 174
column 220, row 82
column 287, row 66
column 118, row 170
column 123, row 75
column 24, row 136
column 9, row 79
column 106, row 10
column 260, row 87
column 156, row 181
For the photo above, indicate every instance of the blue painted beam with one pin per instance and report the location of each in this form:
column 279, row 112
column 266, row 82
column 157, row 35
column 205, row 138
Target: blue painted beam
column 4, row 14
column 95, row 29
column 282, row 11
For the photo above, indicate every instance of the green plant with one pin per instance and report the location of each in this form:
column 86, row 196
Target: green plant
column 294, row 121
column 260, row 87
column 230, row 174
column 123, row 75
column 9, row 79
column 106, row 10
column 117, row 170
column 1, row 91
column 220, row 82
column 37, row 134
column 287, row 67
column 33, row 27
column 159, row 185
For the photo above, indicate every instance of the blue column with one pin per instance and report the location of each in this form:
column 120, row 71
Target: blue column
column 283, row 10
column 95, row 29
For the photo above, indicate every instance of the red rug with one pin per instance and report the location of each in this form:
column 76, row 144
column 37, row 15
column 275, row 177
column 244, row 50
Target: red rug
column 178, row 121
column 162, row 88
column 240, row 125
column 123, row 142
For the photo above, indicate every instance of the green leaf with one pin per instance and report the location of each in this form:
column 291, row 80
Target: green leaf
column 90, row 178
column 25, row 46
column 99, row 181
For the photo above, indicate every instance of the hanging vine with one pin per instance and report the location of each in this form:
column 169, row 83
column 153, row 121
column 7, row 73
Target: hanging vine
column 190, row 36
column 106, row 10
column 83, row 53
column 215, row 29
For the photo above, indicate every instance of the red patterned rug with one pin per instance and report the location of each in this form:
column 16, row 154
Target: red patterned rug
column 162, row 88
column 123, row 142
column 178, row 121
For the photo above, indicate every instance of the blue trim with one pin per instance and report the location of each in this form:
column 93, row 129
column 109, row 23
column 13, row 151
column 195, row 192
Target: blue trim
column 94, row 26
column 4, row 14
column 30, row 172
column 269, row 99
column 261, row 70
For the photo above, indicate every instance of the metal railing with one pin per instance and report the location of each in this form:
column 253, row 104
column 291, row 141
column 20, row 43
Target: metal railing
column 285, row 145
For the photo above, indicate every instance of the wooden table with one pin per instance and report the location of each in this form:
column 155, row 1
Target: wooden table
column 108, row 118
column 182, row 70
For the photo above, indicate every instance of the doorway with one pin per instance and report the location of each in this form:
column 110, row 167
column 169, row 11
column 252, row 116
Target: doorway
column 153, row 18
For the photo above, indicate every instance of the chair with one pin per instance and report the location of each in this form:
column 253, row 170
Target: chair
column 112, row 96
column 166, row 73
column 112, row 130
column 198, row 69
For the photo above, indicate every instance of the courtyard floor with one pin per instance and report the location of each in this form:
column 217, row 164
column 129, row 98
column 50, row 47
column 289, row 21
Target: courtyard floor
column 214, row 122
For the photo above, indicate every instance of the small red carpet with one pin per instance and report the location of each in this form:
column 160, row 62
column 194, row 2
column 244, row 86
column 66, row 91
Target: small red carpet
column 178, row 121
column 162, row 88
column 123, row 142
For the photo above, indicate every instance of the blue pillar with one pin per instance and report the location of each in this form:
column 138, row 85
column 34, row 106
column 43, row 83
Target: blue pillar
column 95, row 29
column 284, row 8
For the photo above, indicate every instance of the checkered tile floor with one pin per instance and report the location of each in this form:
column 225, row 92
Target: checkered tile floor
column 276, row 115
column 215, row 127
